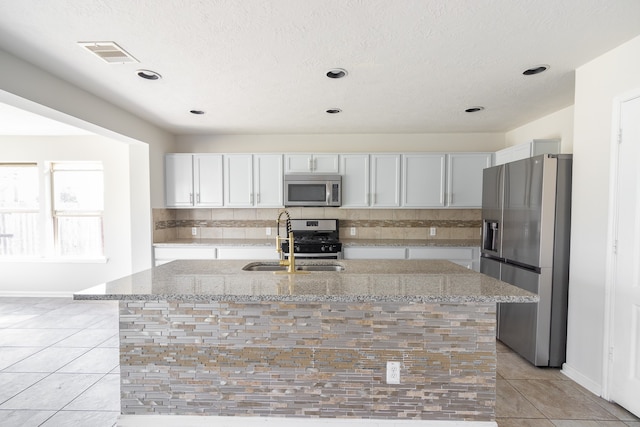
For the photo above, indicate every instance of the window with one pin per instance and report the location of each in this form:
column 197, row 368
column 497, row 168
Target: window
column 51, row 209
column 19, row 209
column 78, row 204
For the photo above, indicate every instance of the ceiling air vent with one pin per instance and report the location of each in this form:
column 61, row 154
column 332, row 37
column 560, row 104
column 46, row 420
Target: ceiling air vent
column 109, row 52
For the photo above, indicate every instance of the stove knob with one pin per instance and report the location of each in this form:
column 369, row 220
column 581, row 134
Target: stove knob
column 296, row 248
column 323, row 248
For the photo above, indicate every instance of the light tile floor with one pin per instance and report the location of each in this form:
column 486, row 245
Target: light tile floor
column 59, row 367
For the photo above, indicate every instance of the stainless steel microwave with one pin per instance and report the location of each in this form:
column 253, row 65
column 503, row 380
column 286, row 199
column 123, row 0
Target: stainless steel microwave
column 312, row 190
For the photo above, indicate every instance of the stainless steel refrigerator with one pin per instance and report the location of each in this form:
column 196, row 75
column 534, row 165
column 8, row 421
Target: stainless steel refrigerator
column 526, row 222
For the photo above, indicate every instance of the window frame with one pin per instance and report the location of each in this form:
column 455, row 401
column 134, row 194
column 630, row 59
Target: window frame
column 48, row 238
column 57, row 214
column 37, row 209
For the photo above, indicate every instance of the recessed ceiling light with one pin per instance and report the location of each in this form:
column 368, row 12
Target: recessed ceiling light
column 148, row 75
column 197, row 112
column 535, row 70
column 334, row 111
column 474, row 109
column 336, row 73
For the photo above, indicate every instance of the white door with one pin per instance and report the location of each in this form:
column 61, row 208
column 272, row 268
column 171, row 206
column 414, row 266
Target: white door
column 238, row 180
column 267, row 177
column 207, row 177
column 385, row 180
column 325, row 163
column 298, row 163
column 178, row 175
column 354, row 169
column 423, row 180
column 625, row 364
column 464, row 179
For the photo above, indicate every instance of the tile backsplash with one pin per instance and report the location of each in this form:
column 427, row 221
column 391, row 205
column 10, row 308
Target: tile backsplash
column 172, row 224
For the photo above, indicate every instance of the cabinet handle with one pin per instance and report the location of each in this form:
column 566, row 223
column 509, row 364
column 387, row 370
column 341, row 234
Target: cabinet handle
column 310, row 164
column 191, row 198
column 258, row 198
column 197, row 197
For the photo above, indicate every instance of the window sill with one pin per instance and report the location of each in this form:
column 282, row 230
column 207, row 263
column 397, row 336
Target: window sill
column 55, row 260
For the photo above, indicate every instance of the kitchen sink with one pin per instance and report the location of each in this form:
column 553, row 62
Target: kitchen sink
column 267, row 266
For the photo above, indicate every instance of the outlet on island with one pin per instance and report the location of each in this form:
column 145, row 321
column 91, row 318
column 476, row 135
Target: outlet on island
column 194, row 231
column 352, row 231
column 393, row 372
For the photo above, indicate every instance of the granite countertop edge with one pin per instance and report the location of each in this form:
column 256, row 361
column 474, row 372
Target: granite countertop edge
column 377, row 281
column 422, row 299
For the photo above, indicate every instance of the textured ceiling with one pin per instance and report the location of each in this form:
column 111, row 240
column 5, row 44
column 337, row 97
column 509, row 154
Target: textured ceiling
column 258, row 66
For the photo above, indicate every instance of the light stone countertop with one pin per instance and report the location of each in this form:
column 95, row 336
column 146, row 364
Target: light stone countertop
column 410, row 281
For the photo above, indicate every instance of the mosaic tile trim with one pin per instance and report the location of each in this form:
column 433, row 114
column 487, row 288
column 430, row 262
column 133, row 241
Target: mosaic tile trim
column 160, row 225
column 308, row 359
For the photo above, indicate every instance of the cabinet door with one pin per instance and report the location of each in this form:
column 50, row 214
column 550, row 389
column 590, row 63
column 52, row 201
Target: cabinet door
column 325, row 163
column 298, row 163
column 311, row 163
column 354, row 169
column 238, row 183
column 385, row 180
column 423, row 179
column 207, row 177
column 464, row 179
column 268, row 180
column 178, row 176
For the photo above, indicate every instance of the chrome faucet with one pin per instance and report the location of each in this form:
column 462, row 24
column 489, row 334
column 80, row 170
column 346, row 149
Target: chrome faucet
column 291, row 262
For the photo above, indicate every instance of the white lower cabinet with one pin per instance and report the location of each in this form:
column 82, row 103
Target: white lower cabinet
column 164, row 254
column 247, row 252
column 369, row 252
column 467, row 256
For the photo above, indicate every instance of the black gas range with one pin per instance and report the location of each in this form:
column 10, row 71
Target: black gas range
column 314, row 238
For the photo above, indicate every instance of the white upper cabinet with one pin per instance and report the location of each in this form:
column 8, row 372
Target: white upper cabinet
column 526, row 150
column 253, row 180
column 354, row 169
column 311, row 163
column 193, row 180
column 385, row 180
column 238, row 180
column 207, row 178
column 268, row 180
column 423, row 180
column 464, row 179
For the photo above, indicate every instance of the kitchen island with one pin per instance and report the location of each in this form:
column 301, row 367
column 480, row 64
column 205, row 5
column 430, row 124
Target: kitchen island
column 207, row 338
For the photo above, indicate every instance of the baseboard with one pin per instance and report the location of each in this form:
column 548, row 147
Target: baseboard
column 36, row 294
column 197, row 421
column 579, row 378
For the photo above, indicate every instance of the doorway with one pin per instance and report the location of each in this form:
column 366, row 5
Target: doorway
column 623, row 358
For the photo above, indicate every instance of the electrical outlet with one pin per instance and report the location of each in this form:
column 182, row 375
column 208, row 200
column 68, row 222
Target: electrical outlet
column 194, row 231
column 432, row 231
column 352, row 231
column 393, row 372
column 268, row 231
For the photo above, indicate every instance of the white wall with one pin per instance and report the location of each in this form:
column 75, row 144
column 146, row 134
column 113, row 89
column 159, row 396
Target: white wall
column 598, row 83
column 25, row 86
column 555, row 125
column 340, row 143
column 121, row 237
